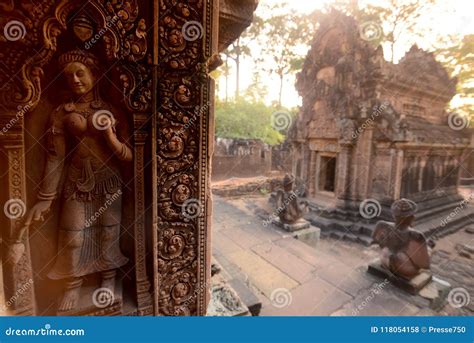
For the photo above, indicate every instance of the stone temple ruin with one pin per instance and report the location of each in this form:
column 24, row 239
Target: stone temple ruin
column 371, row 132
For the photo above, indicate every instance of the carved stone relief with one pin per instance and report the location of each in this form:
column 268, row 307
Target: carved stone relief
column 145, row 66
column 78, row 72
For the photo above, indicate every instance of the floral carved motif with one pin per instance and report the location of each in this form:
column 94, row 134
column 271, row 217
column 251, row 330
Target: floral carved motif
column 181, row 154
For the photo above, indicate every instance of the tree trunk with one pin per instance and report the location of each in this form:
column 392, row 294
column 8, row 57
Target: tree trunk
column 392, row 45
column 237, row 62
column 227, row 78
column 281, row 90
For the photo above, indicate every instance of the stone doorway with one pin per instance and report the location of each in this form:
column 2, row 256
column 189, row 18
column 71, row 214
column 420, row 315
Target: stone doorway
column 327, row 174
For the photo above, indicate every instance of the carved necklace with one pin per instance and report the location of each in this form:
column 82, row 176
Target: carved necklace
column 94, row 106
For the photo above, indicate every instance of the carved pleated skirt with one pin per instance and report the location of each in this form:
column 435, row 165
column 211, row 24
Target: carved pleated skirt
column 89, row 234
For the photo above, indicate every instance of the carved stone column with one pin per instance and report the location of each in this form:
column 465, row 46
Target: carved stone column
column 362, row 157
column 343, row 173
column 398, row 159
column 144, row 300
column 18, row 278
column 183, row 156
column 188, row 40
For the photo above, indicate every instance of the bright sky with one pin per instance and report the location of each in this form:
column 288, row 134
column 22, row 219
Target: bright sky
column 450, row 17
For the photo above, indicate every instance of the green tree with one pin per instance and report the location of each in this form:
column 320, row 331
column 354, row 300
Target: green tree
column 398, row 21
column 256, row 91
column 239, row 50
column 281, row 37
column 457, row 56
column 246, row 119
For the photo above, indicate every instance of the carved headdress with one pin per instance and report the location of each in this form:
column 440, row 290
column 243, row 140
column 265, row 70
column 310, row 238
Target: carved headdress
column 288, row 180
column 404, row 208
column 81, row 56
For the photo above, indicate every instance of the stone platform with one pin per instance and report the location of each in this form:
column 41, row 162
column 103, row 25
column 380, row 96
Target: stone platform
column 331, row 280
column 434, row 220
column 97, row 303
column 299, row 225
column 412, row 286
column 423, row 285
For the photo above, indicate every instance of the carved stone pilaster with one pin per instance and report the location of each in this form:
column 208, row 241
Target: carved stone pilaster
column 182, row 126
column 144, row 299
column 398, row 169
column 343, row 172
column 18, row 278
column 362, row 161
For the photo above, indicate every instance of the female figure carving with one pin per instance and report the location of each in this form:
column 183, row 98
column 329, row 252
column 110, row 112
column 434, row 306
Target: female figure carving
column 86, row 143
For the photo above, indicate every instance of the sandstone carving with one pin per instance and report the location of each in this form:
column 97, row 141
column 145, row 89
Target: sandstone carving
column 405, row 250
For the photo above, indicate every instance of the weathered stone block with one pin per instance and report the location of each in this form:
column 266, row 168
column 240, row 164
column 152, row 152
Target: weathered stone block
column 299, row 225
column 247, row 296
column 309, row 236
column 412, row 286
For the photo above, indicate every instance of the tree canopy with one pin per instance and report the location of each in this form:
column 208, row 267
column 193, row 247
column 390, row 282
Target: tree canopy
column 250, row 119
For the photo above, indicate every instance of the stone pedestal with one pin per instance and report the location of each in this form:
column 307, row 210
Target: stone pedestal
column 412, row 286
column 299, row 225
column 310, row 236
column 97, row 302
column 429, row 290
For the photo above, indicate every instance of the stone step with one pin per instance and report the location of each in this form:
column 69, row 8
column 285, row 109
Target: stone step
column 247, row 296
column 361, row 232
